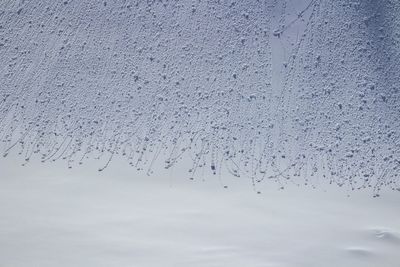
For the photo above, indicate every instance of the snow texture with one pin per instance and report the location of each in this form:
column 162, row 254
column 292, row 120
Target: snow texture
column 269, row 90
column 59, row 217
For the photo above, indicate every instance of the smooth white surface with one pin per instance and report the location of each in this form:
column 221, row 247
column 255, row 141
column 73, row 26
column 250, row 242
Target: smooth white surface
column 79, row 217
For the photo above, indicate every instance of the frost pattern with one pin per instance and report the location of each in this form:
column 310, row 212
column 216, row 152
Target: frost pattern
column 161, row 80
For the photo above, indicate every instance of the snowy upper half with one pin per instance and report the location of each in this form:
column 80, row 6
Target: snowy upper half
column 279, row 90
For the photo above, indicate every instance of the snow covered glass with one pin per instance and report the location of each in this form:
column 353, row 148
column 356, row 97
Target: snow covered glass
column 267, row 90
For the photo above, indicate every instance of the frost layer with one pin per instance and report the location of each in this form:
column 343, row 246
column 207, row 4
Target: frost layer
column 263, row 89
